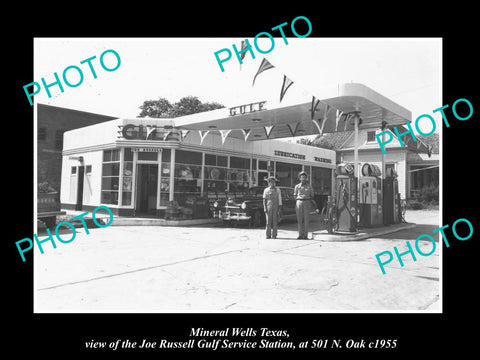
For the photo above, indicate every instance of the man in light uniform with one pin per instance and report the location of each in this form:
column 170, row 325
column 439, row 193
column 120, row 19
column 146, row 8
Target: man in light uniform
column 272, row 202
column 303, row 194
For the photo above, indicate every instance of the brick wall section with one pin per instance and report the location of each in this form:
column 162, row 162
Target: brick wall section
column 53, row 121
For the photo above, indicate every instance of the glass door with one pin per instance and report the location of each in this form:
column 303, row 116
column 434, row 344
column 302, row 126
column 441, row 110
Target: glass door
column 146, row 189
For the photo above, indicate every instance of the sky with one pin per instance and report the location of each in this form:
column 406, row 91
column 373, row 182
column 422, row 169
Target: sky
column 405, row 70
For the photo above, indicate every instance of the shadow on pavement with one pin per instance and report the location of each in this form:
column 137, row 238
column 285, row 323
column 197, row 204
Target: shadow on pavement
column 414, row 233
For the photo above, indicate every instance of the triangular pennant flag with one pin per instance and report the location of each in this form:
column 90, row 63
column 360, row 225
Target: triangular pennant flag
column 317, row 124
column 265, row 65
column 268, row 130
column 243, row 46
column 203, row 135
column 315, row 103
column 346, row 121
column 184, row 133
column 165, row 135
column 246, row 132
column 224, row 134
column 338, row 116
column 150, row 130
column 325, row 117
column 286, row 84
column 294, row 130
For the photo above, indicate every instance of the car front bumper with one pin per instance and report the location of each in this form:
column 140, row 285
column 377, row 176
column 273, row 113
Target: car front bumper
column 233, row 216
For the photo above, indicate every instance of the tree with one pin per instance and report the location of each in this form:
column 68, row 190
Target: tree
column 187, row 105
column 160, row 108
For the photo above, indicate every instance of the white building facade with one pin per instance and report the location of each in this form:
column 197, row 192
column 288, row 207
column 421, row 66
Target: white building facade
column 138, row 166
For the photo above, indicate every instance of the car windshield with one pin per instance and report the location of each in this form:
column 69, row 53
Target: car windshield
column 256, row 191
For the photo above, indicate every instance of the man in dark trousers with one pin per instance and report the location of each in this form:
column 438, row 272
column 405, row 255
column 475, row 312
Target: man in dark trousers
column 303, row 194
column 272, row 201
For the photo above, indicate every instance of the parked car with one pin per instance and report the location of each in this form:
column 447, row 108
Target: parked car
column 48, row 205
column 216, row 202
column 249, row 207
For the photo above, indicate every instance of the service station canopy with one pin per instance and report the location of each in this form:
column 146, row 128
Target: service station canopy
column 262, row 122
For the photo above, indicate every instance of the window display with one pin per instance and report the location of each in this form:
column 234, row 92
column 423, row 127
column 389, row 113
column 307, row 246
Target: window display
column 239, row 175
column 321, row 180
column 187, row 176
column 110, row 176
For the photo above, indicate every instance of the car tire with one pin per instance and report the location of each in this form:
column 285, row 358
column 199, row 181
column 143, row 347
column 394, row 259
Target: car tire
column 50, row 222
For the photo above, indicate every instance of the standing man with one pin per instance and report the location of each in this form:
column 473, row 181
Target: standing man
column 303, row 193
column 272, row 202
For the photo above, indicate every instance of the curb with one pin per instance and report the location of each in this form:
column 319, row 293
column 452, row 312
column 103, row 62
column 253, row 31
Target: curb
column 160, row 222
column 136, row 221
column 363, row 235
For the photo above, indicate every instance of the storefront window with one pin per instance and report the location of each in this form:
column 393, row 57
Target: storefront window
column 165, row 177
column 287, row 174
column 216, row 160
column 321, row 181
column 215, row 175
column 423, row 176
column 127, row 177
column 239, row 175
column 110, row 176
column 187, row 176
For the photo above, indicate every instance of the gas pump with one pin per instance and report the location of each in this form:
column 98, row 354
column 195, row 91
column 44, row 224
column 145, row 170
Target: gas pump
column 346, row 198
column 370, row 196
column 391, row 198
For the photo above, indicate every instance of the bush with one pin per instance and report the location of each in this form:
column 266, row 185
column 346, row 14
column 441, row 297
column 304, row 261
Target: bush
column 414, row 205
column 428, row 195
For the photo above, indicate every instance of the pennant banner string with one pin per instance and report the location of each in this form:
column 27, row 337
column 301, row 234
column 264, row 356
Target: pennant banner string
column 294, row 130
column 315, row 103
column 243, row 46
column 346, row 121
column 268, row 130
column 166, row 135
column 317, row 124
column 338, row 116
column 265, row 65
column 286, row 84
column 246, row 132
column 184, row 133
column 203, row 135
column 224, row 134
column 325, row 117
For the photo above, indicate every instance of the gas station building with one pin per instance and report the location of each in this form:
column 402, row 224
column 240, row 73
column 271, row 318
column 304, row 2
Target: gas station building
column 136, row 166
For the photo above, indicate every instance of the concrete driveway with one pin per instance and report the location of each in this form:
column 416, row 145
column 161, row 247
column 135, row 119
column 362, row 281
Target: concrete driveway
column 217, row 269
